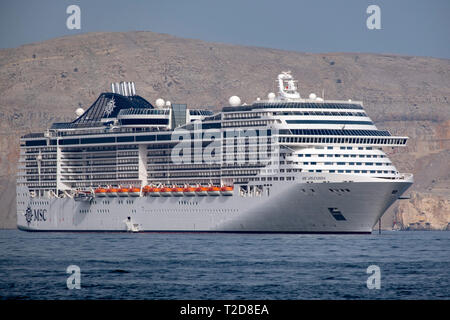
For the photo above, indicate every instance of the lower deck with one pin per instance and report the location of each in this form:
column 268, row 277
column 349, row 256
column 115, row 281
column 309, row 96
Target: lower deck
column 313, row 205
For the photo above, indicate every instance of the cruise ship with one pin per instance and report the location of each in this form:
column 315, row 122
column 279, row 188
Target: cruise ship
column 286, row 163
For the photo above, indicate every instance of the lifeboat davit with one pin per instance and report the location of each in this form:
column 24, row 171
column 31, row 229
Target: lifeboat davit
column 123, row 192
column 226, row 191
column 166, row 192
column 100, row 192
column 177, row 191
column 134, row 192
column 189, row 191
column 111, row 192
column 155, row 192
column 201, row 191
column 214, row 191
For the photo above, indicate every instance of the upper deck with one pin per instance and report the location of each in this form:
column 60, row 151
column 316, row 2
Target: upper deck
column 124, row 139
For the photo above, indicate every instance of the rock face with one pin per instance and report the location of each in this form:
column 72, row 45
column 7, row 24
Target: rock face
column 424, row 212
column 45, row 82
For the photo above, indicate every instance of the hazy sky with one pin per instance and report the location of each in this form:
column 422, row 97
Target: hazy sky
column 409, row 27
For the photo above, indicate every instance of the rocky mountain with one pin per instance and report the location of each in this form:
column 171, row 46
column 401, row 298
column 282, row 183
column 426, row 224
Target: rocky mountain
column 424, row 212
column 45, row 82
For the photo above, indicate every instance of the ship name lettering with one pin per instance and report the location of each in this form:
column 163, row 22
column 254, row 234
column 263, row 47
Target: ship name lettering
column 313, row 178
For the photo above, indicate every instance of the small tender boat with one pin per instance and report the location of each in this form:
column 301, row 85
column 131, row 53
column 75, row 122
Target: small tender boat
column 214, row 191
column 100, row 192
column 83, row 196
column 201, row 191
column 155, row 192
column 134, row 192
column 166, row 192
column 177, row 191
column 111, row 192
column 189, row 191
column 122, row 192
column 226, row 191
column 146, row 189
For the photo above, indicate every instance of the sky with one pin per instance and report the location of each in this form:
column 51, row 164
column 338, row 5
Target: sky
column 408, row 27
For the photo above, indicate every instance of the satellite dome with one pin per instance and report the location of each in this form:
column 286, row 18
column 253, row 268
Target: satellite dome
column 159, row 103
column 79, row 111
column 312, row 96
column 234, row 101
column 168, row 103
column 271, row 96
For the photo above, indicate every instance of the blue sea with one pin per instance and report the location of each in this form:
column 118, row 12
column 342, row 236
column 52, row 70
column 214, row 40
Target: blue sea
column 412, row 265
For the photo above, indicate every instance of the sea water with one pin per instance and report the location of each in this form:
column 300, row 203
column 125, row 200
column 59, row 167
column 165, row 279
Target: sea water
column 411, row 265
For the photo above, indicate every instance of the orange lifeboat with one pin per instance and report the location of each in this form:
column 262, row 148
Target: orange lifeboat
column 123, row 192
column 166, row 192
column 134, row 192
column 100, row 192
column 201, row 191
column 177, row 191
column 189, row 191
column 111, row 192
column 214, row 191
column 226, row 191
column 146, row 189
column 155, row 192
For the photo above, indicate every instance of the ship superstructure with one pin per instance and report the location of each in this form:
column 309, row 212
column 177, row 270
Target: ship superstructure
column 284, row 164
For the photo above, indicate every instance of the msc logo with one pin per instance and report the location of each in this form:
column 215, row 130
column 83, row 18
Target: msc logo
column 35, row 215
column 28, row 215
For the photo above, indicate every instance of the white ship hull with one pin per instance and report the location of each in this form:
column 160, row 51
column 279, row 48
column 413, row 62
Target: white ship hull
column 312, row 203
